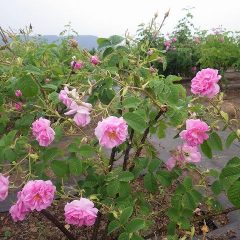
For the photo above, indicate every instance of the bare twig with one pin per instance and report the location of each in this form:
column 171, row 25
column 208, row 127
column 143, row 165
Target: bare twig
column 59, row 225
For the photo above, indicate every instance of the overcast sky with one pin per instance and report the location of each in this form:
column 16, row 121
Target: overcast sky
column 108, row 17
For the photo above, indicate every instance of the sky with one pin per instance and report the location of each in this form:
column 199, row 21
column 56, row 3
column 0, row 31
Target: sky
column 103, row 18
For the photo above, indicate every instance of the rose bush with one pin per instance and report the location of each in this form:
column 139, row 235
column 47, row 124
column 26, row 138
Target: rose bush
column 117, row 103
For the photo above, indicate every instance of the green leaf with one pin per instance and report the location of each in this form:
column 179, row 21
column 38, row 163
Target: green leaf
column 103, row 42
column 125, row 176
column 107, row 51
column 150, row 182
column 131, row 102
column 135, row 225
column 216, row 187
column 230, row 173
column 126, row 214
column 113, row 225
column 113, row 188
column 206, row 149
column 154, row 165
column 187, row 183
column 136, row 237
column 28, row 86
column 86, row 151
column 164, row 177
column 215, row 141
column 32, row 69
column 173, row 78
column 135, row 121
column 115, row 39
column 9, row 154
column 75, row 166
column 49, row 154
column 233, row 194
column 60, row 168
column 123, row 236
column 124, row 189
column 171, row 228
column 231, row 137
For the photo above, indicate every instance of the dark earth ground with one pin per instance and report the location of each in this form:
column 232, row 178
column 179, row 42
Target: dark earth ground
column 37, row 227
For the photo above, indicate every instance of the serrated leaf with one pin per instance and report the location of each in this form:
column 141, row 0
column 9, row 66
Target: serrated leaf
column 231, row 137
column 150, row 182
column 60, row 168
column 113, row 188
column 233, row 194
column 125, row 176
column 206, row 149
column 131, row 102
column 113, row 225
column 216, row 187
column 135, row 225
column 86, row 151
column 215, row 141
column 135, row 121
column 75, row 166
column 126, row 214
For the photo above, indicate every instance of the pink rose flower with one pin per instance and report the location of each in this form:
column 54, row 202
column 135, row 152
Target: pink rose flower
column 197, row 40
column 42, row 131
column 64, row 98
column 82, row 118
column 82, row 113
column 170, row 164
column 47, row 80
column 111, row 131
column 183, row 154
column 18, row 211
column 205, row 83
column 194, row 69
column 46, row 137
column 174, row 39
column 80, row 212
column 18, row 93
column 37, row 194
column 195, row 132
column 4, row 185
column 149, row 52
column 18, row 106
column 76, row 65
column 167, row 43
column 94, row 60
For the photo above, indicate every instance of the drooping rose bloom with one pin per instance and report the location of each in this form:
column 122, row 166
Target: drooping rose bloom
column 94, row 60
column 18, row 106
column 37, row 194
column 195, row 133
column 18, row 93
column 64, row 98
column 82, row 113
column 43, row 132
column 205, row 83
column 111, row 131
column 18, row 211
column 80, row 212
column 4, row 185
column 183, row 154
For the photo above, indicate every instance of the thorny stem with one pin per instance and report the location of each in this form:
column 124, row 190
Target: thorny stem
column 112, row 158
column 144, row 137
column 129, row 146
column 59, row 225
column 207, row 216
column 96, row 226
